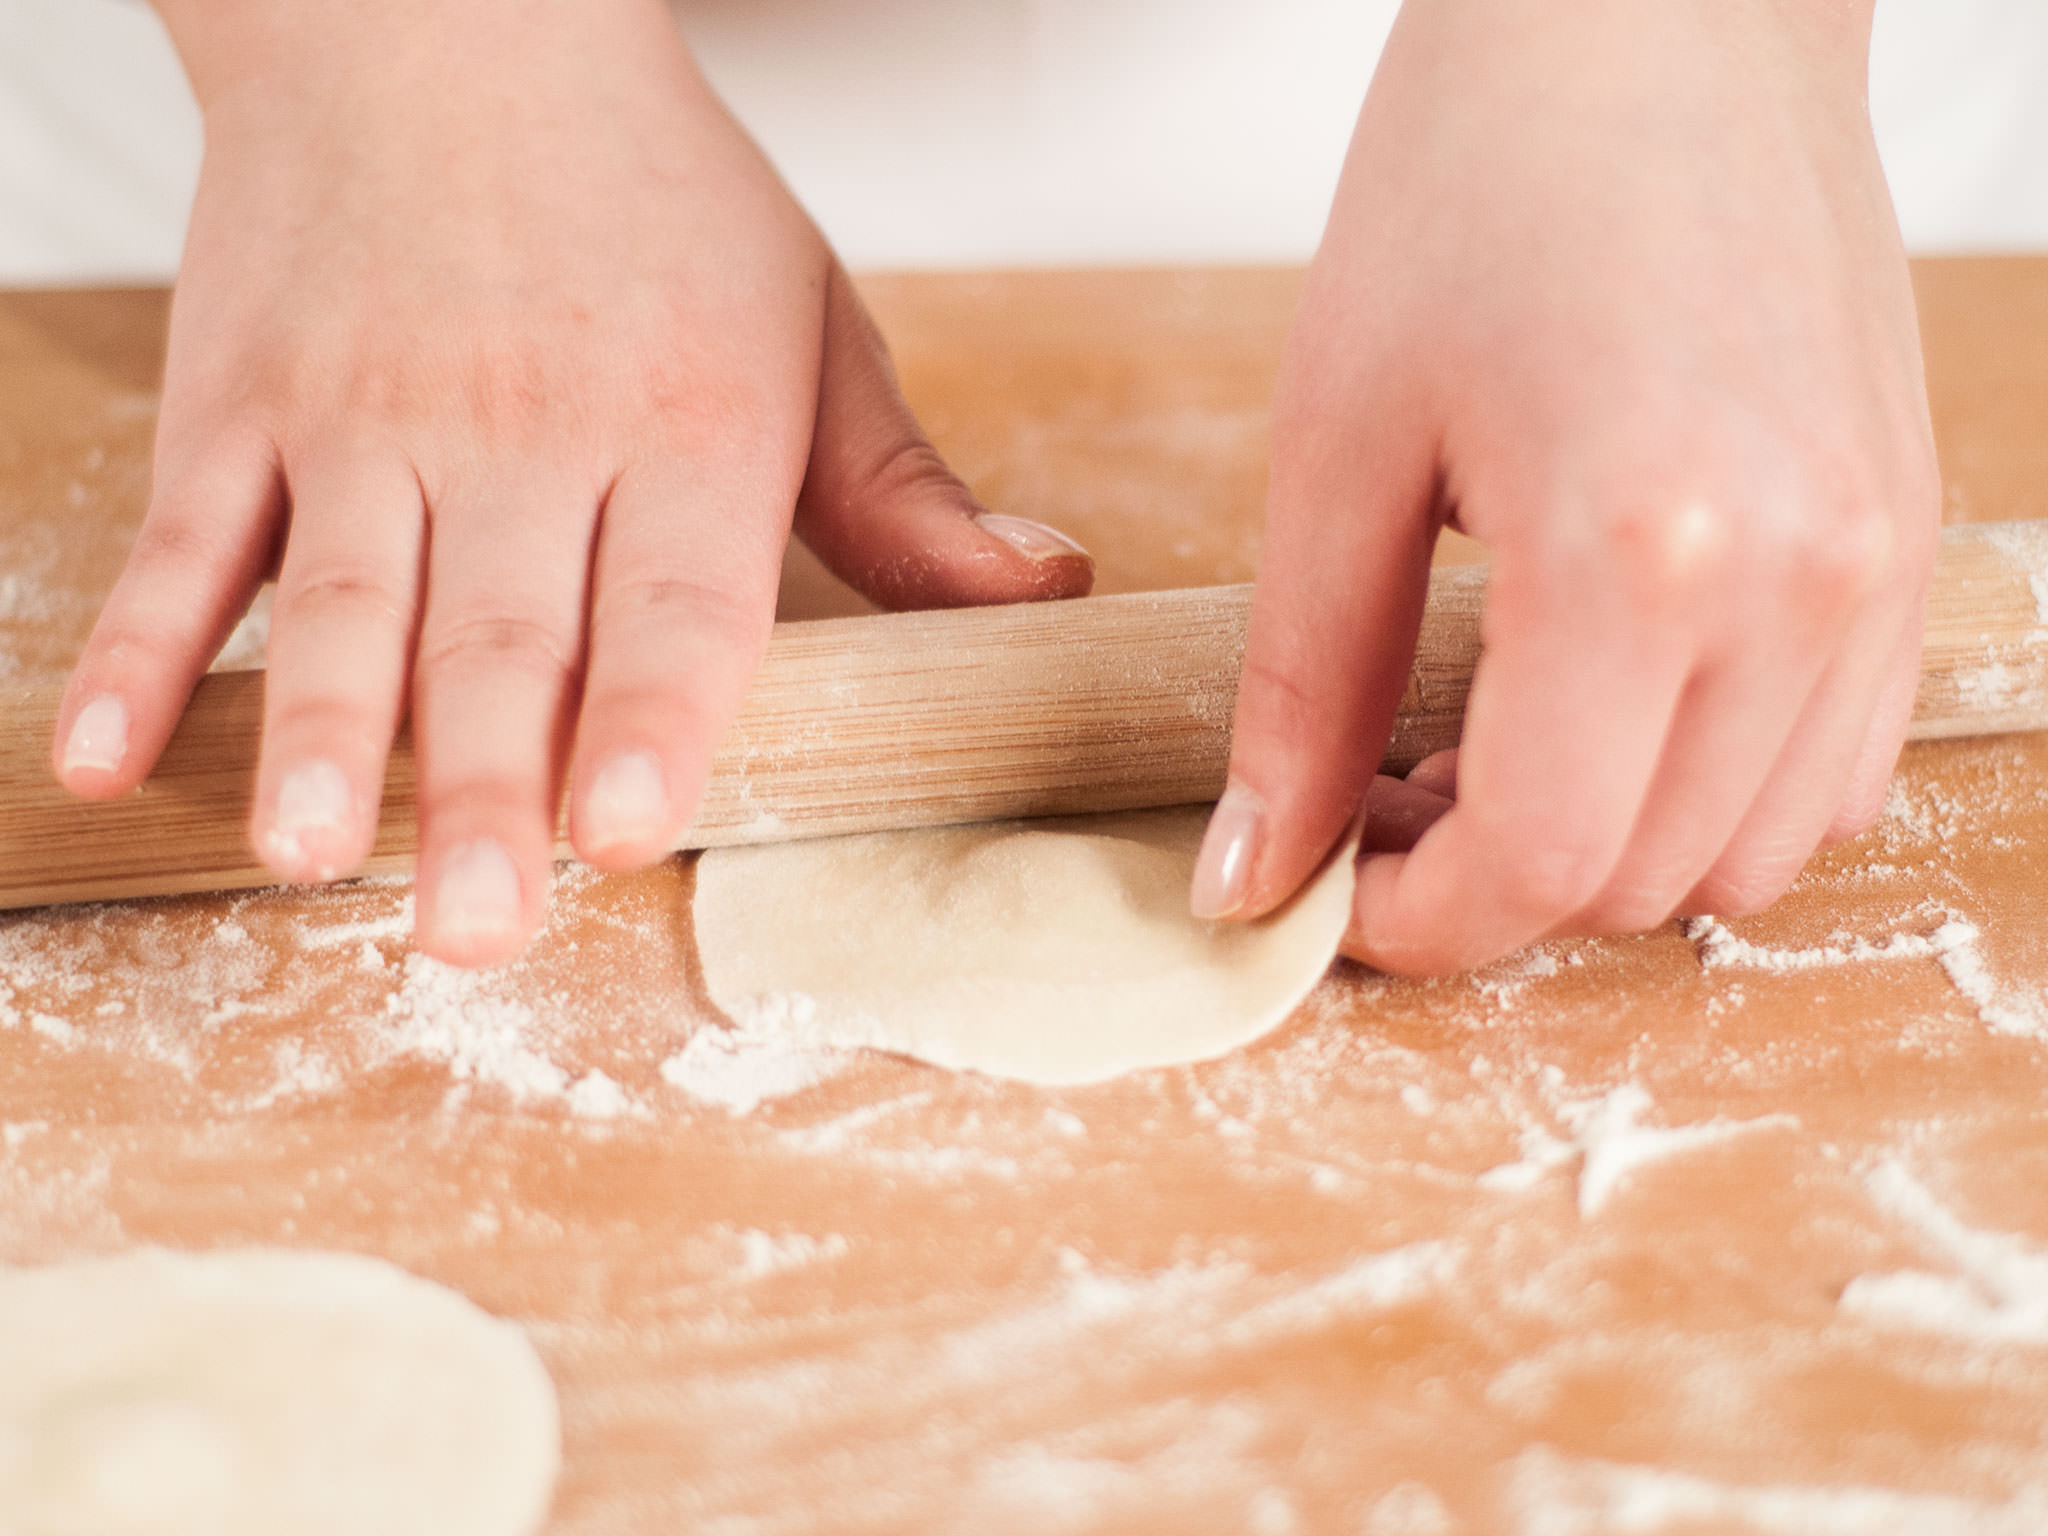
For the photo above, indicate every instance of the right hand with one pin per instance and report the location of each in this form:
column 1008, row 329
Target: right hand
column 498, row 329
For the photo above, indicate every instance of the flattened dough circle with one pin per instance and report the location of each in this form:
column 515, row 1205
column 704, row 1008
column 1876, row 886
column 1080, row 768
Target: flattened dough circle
column 1056, row 951
column 264, row 1392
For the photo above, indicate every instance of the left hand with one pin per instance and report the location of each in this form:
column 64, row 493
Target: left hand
column 1617, row 289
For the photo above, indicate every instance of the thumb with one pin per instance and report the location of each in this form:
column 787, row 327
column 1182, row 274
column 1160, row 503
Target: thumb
column 880, row 508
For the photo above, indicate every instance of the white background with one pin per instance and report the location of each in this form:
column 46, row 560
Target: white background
column 928, row 133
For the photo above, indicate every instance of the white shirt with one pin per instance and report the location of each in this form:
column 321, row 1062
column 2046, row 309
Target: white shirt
column 954, row 133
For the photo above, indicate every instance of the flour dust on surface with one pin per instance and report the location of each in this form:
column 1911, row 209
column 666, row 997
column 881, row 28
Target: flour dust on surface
column 1480, row 1254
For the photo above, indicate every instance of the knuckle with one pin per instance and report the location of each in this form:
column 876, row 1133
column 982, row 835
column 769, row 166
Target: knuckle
column 504, row 392
column 676, row 602
column 702, row 410
column 906, row 467
column 1834, row 547
column 1673, row 544
column 1288, row 710
column 121, row 645
column 508, row 806
column 500, row 641
column 321, row 715
column 341, row 591
column 174, row 544
column 1844, row 555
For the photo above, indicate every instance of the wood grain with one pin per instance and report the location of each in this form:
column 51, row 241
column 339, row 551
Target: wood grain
column 931, row 719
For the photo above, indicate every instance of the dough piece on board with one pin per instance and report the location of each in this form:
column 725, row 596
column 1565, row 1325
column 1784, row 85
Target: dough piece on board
column 262, row 1392
column 1057, row 951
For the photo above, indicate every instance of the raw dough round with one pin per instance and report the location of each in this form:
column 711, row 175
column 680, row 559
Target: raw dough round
column 1058, row 951
column 263, row 1392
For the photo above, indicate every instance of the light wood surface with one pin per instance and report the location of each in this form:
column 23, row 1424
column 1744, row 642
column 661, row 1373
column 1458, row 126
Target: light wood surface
column 1741, row 1231
column 875, row 723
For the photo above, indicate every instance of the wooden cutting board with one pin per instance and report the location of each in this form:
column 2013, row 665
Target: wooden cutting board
column 1735, row 1231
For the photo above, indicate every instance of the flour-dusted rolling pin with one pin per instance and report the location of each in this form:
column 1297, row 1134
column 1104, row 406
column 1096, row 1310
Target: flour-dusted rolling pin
column 925, row 719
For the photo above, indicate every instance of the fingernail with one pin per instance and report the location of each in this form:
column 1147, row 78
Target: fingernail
column 1028, row 538
column 99, row 736
column 313, row 804
column 628, row 801
column 478, row 896
column 1224, row 869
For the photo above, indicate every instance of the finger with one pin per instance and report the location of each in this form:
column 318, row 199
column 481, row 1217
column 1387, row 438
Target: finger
column 1892, row 716
column 1397, row 813
column 1437, row 773
column 1334, row 620
column 682, row 601
column 1731, row 722
column 1570, row 708
column 341, row 632
column 880, row 508
column 1808, row 784
column 197, row 561
column 493, row 692
column 1870, row 778
column 1749, row 690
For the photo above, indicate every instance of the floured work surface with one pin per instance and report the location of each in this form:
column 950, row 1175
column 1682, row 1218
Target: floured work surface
column 1735, row 1231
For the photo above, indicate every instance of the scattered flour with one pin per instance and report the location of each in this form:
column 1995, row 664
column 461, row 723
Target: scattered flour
column 53, row 1029
column 1926, row 817
column 21, row 597
column 1554, row 1495
column 1542, row 1155
column 165, row 1000
column 1503, row 983
column 2000, row 1295
column 459, row 1019
column 1954, row 945
column 761, row 1254
column 1608, row 1142
column 1999, row 686
column 764, row 1057
column 1417, row 1100
column 1377, row 1283
column 2027, row 544
column 1719, row 948
column 295, row 1073
column 597, row 1096
column 1409, row 1509
column 1615, row 1145
column 1205, row 1474
column 394, row 928
column 161, row 1001
column 2003, row 1010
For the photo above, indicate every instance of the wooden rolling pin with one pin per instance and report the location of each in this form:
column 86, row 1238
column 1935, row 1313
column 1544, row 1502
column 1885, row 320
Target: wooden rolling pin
column 925, row 719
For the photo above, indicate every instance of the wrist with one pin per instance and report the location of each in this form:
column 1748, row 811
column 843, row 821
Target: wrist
column 294, row 50
column 1817, row 50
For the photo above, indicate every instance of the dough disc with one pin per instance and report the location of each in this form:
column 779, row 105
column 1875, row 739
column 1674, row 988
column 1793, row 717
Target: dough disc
column 264, row 1392
column 1057, row 951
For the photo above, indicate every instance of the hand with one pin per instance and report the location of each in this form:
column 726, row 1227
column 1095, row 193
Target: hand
column 494, row 322
column 1617, row 289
